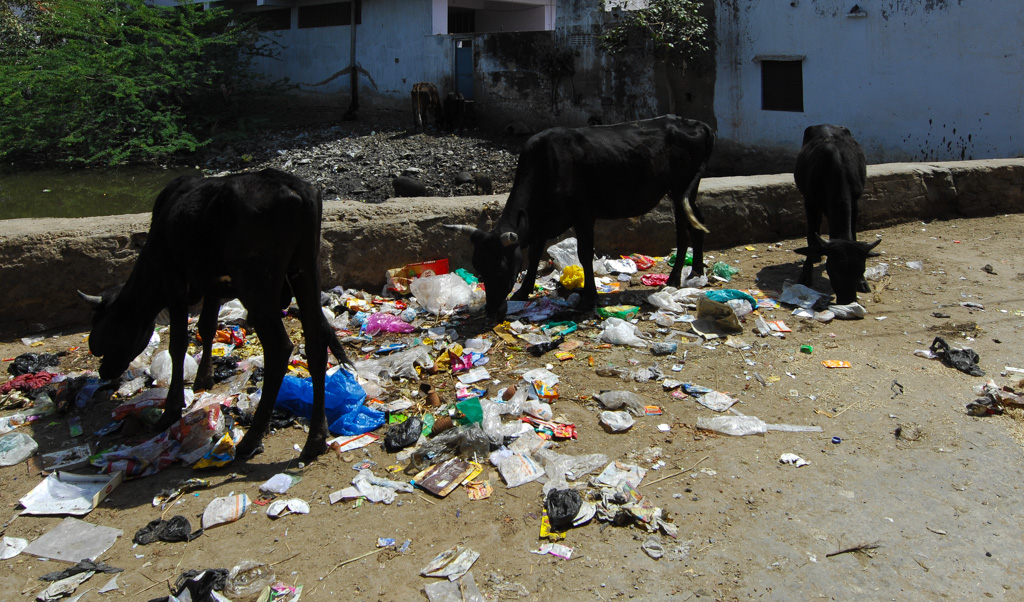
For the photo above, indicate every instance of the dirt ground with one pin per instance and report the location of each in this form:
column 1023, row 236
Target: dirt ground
column 939, row 501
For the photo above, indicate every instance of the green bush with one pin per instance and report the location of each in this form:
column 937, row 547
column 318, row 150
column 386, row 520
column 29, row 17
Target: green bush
column 112, row 81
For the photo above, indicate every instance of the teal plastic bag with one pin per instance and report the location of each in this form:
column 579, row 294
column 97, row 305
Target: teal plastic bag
column 728, row 294
column 343, row 402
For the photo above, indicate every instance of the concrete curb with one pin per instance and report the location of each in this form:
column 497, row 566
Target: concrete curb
column 44, row 261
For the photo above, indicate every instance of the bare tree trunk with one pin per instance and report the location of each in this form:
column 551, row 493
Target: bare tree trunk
column 353, row 72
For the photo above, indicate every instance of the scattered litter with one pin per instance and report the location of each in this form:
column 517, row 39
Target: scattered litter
column 224, row 510
column 68, row 493
column 73, row 540
column 965, row 359
column 15, row 448
column 835, row 363
column 11, row 547
column 617, row 421
column 279, row 508
column 802, row 296
column 793, row 459
column 554, row 549
column 451, row 564
column 178, row 528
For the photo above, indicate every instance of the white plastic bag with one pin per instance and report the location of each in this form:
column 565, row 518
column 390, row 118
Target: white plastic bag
column 441, row 294
column 518, row 469
column 620, row 332
column 733, row 425
column 617, row 421
column 802, row 296
column 226, row 509
column 563, row 254
column 160, row 369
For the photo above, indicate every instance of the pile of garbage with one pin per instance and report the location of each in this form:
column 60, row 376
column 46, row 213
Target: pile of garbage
column 443, row 404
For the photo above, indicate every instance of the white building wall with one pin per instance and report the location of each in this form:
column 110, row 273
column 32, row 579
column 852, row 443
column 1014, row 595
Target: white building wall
column 913, row 79
column 394, row 44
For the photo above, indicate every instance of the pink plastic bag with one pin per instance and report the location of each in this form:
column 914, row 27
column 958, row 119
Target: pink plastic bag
column 388, row 322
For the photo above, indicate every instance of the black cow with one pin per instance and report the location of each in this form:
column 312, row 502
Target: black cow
column 573, row 177
column 189, row 256
column 830, row 172
column 424, row 100
column 455, row 111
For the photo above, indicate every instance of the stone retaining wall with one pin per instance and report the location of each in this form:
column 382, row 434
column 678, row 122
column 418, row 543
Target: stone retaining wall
column 44, row 261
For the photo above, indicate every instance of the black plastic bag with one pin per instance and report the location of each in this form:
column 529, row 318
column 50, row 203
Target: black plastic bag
column 201, row 584
column 402, row 435
column 30, row 363
column 83, row 565
column 563, row 505
column 176, row 529
column 964, row 360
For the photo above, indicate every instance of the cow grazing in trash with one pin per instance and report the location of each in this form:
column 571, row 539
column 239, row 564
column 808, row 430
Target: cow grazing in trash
column 424, row 100
column 573, row 177
column 191, row 255
column 830, row 172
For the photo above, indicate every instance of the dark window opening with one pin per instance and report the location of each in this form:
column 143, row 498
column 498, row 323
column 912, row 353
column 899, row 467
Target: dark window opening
column 461, row 20
column 328, row 15
column 274, row 20
column 782, row 86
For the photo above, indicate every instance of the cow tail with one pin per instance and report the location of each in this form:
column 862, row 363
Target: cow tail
column 691, row 191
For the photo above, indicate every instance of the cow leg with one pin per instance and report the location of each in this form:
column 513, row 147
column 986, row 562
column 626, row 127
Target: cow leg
column 207, row 331
column 333, row 343
column 683, row 231
column 585, row 251
column 813, row 224
column 177, row 347
column 308, row 298
column 532, row 262
column 862, row 286
column 277, row 348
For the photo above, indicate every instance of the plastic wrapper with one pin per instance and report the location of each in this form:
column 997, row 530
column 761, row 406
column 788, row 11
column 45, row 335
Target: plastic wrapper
column 617, row 421
column 441, row 294
column 538, row 409
column 802, row 296
column 142, row 460
column 877, row 272
column 733, row 425
column 572, row 277
column 621, row 400
column 397, row 365
column 16, row 448
column 386, row 322
column 620, row 332
column 518, row 469
column 249, row 578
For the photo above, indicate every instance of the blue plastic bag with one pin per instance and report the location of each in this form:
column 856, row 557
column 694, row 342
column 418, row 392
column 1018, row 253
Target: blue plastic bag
column 343, row 402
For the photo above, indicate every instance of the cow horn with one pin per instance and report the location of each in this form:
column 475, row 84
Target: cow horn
column 90, row 299
column 462, row 228
column 509, row 238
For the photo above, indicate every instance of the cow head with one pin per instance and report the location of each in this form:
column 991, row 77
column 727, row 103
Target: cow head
column 116, row 338
column 844, row 262
column 497, row 258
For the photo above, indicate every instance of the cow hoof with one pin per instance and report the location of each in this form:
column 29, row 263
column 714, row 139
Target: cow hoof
column 203, row 384
column 863, row 287
column 312, row 451
column 244, row 452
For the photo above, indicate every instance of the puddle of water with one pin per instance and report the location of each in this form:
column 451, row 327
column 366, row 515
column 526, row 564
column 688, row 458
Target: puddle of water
column 82, row 193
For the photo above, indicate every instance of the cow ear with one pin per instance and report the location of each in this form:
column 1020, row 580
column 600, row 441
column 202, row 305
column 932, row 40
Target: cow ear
column 93, row 300
column 803, row 251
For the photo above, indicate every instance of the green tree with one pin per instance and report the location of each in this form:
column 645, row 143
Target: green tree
column 110, row 81
column 672, row 31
